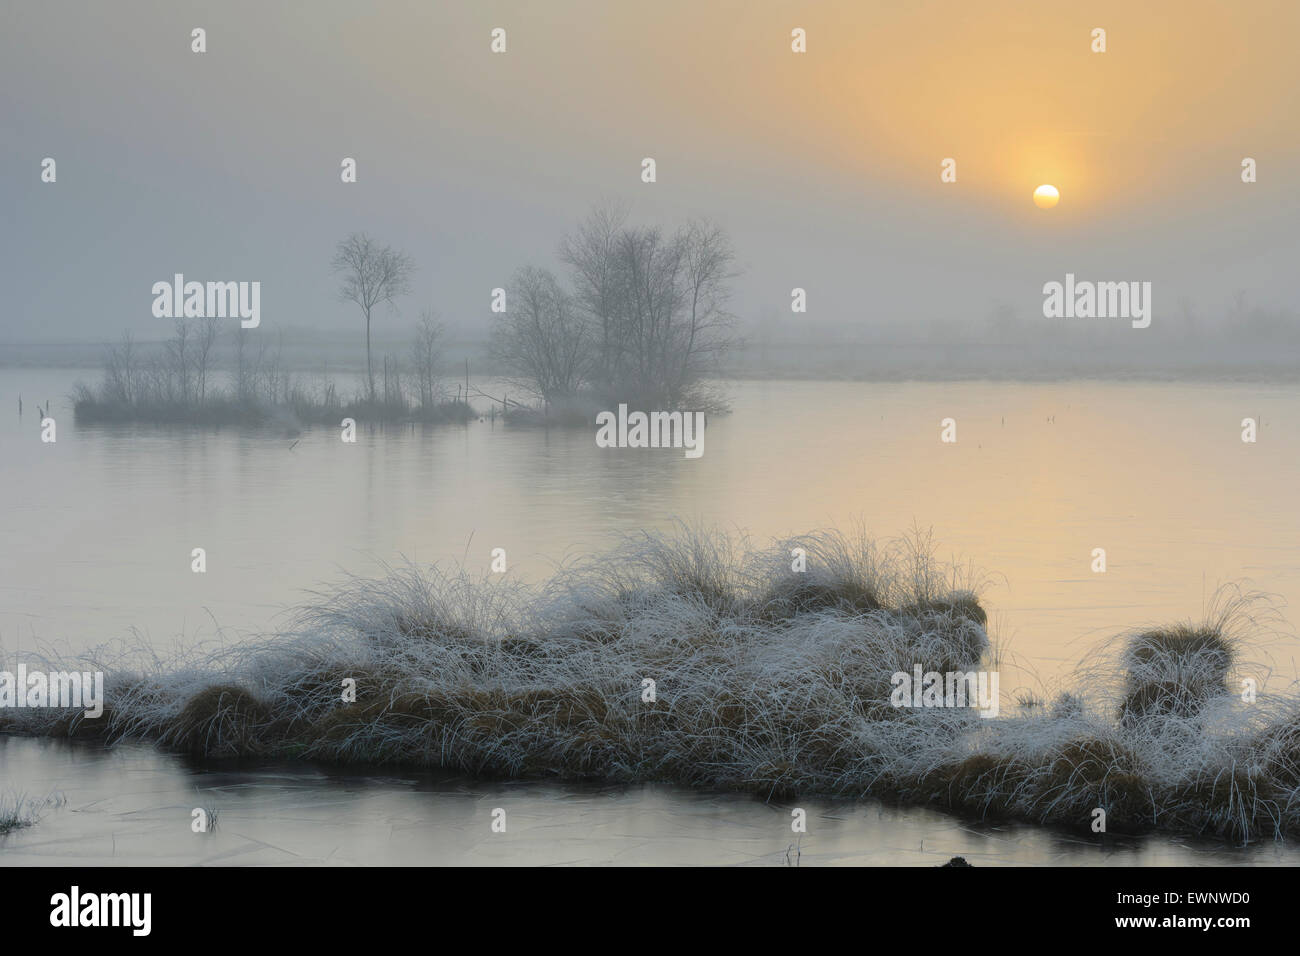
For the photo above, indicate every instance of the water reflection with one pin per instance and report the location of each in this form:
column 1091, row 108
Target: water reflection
column 132, row 806
column 98, row 529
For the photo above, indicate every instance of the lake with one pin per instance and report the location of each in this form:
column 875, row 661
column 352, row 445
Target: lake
column 98, row 530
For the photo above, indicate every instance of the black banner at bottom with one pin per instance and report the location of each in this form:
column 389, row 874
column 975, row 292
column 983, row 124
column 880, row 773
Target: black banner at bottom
column 220, row 905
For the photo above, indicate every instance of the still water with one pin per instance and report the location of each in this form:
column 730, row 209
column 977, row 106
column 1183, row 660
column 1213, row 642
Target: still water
column 96, row 532
column 132, row 806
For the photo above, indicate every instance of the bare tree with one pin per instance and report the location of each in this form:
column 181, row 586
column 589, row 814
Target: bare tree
column 179, row 358
column 205, row 339
column 541, row 339
column 243, row 373
column 371, row 274
column 120, row 371
column 655, row 304
column 646, row 321
column 598, row 284
column 705, row 329
column 393, row 394
column 427, row 355
column 651, row 266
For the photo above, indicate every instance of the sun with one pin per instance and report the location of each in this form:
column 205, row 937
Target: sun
column 1046, row 196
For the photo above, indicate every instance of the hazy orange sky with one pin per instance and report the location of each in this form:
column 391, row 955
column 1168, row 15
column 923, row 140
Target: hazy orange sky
column 824, row 166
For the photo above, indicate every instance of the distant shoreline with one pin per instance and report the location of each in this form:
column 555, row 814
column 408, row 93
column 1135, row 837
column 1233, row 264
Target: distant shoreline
column 838, row 362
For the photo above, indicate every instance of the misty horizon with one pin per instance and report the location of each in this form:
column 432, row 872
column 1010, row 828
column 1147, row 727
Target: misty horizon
column 237, row 184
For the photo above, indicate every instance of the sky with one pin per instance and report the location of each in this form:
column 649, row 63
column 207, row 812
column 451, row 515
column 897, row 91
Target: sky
column 823, row 166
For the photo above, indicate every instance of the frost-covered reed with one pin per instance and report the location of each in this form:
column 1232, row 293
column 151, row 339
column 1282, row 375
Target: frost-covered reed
column 765, row 679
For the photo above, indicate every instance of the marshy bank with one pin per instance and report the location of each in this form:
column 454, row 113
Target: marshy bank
column 161, row 392
column 283, row 402
column 191, row 380
column 765, row 680
column 298, row 408
column 130, row 805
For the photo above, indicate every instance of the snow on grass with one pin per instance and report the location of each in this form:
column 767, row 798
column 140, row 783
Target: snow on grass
column 765, row 680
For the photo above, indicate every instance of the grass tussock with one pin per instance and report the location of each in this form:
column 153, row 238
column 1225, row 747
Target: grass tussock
column 19, row 811
column 295, row 408
column 1178, row 670
column 698, row 658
